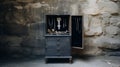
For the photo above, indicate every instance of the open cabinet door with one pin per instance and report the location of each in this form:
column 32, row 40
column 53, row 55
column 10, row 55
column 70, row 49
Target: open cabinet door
column 77, row 32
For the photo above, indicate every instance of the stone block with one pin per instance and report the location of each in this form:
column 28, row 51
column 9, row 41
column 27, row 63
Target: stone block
column 74, row 9
column 27, row 51
column 94, row 26
column 16, row 29
column 13, row 41
column 109, row 7
column 107, row 42
column 86, row 21
column 90, row 48
column 114, row 20
column 113, row 30
column 25, row 1
column 96, row 7
column 37, row 51
column 118, row 24
column 34, row 5
column 14, row 50
column 91, row 7
column 31, row 42
column 105, row 18
column 18, row 7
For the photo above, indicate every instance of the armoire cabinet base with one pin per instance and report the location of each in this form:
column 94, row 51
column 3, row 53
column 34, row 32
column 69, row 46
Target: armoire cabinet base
column 48, row 58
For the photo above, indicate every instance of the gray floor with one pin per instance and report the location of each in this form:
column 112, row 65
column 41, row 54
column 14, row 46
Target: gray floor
column 101, row 61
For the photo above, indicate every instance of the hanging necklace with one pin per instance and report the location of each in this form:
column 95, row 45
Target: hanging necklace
column 54, row 24
column 77, row 25
column 50, row 23
column 64, row 23
column 58, row 19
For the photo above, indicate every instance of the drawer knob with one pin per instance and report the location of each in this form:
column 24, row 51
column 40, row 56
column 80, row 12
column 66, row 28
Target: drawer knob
column 58, row 39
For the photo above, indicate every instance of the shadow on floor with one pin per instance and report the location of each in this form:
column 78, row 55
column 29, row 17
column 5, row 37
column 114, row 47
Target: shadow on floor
column 83, row 57
column 5, row 60
column 57, row 60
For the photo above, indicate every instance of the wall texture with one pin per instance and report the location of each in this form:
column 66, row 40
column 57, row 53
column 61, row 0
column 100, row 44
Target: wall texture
column 22, row 25
column 101, row 25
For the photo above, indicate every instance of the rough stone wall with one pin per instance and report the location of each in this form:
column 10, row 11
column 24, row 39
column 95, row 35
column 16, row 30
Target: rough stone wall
column 22, row 25
column 20, row 29
column 101, row 26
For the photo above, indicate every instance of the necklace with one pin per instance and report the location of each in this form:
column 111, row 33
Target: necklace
column 50, row 23
column 77, row 25
column 64, row 23
column 54, row 24
column 58, row 19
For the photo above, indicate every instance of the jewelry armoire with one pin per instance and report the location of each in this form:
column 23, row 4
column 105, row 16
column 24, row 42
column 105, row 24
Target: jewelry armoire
column 62, row 33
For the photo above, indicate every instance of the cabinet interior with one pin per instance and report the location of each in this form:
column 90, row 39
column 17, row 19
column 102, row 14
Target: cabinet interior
column 57, row 24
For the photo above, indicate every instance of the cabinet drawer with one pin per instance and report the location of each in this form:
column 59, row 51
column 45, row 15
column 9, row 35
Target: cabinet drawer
column 65, row 52
column 58, row 52
column 53, row 52
column 58, row 46
column 65, row 45
column 51, row 45
column 61, row 39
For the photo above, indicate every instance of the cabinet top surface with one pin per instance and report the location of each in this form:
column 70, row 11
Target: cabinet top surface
column 57, row 35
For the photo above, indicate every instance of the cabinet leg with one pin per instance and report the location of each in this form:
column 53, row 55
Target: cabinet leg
column 46, row 60
column 70, row 60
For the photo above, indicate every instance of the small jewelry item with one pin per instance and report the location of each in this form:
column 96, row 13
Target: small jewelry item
column 53, row 30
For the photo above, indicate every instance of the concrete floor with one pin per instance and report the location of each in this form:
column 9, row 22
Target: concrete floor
column 82, row 61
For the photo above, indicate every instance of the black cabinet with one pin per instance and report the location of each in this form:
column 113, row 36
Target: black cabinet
column 58, row 37
column 58, row 46
column 63, row 32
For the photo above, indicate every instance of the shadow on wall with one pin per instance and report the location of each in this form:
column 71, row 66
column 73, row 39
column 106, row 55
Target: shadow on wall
column 15, row 29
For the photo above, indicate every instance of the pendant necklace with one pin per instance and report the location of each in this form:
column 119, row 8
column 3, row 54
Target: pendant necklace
column 58, row 19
